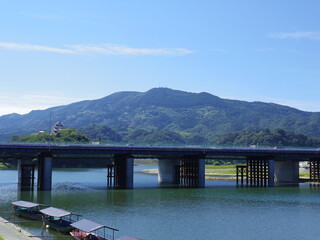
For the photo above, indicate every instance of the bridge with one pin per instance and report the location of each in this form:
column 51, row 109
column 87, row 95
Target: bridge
column 183, row 165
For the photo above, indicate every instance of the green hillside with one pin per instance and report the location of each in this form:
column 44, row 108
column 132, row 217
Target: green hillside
column 160, row 112
column 63, row 135
column 279, row 138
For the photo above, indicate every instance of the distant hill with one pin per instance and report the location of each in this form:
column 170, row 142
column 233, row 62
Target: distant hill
column 193, row 117
column 279, row 138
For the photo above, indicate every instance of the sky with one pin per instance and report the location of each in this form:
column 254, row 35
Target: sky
column 54, row 53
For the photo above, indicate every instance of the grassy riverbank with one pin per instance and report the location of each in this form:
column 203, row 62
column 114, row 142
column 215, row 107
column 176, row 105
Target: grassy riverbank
column 222, row 172
column 4, row 166
column 151, row 162
column 212, row 172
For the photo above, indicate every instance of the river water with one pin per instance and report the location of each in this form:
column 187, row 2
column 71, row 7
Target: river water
column 219, row 211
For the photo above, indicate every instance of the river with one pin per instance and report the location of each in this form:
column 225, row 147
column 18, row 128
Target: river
column 219, row 211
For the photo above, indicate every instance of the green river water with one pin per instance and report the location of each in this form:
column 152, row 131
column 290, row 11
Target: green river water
column 219, row 211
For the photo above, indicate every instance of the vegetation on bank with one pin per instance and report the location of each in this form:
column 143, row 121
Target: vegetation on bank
column 1, row 238
column 68, row 135
column 8, row 165
column 226, row 166
column 226, row 170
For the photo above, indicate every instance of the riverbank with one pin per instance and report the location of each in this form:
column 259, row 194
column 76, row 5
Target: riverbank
column 10, row 231
column 225, row 173
column 210, row 174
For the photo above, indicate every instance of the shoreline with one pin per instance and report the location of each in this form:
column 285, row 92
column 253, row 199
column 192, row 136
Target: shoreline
column 10, row 231
column 214, row 177
column 209, row 177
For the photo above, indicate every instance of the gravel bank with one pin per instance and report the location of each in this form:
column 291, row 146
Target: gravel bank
column 10, row 231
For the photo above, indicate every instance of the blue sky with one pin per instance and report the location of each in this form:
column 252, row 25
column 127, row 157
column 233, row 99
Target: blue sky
column 57, row 52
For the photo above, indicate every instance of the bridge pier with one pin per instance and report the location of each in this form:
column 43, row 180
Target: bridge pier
column 257, row 173
column 286, row 171
column 241, row 172
column 169, row 171
column 270, row 173
column 264, row 172
column 45, row 172
column 25, row 174
column 189, row 171
column 192, row 172
column 120, row 172
column 314, row 168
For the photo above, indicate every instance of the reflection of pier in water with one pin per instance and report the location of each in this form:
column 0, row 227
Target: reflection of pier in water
column 183, row 166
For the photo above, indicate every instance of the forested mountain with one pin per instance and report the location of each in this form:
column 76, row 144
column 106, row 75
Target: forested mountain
column 103, row 133
column 161, row 112
column 280, row 138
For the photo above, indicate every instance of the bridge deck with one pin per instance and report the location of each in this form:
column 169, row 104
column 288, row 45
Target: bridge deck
column 82, row 150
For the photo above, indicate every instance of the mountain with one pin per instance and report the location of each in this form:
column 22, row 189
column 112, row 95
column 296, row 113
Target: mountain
column 280, row 138
column 189, row 115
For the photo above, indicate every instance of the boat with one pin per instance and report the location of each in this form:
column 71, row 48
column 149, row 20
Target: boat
column 59, row 219
column 28, row 210
column 89, row 230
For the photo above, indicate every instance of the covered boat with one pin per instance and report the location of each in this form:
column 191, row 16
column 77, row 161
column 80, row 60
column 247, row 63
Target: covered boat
column 59, row 219
column 89, row 230
column 28, row 210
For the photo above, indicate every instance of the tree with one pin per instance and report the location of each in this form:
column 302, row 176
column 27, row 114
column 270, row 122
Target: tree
column 63, row 135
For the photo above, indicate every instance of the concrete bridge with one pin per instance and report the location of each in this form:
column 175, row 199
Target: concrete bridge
column 183, row 165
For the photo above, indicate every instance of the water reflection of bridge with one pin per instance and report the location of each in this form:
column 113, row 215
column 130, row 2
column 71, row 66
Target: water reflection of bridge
column 184, row 165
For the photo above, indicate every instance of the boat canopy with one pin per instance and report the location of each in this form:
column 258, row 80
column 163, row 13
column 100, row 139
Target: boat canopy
column 25, row 204
column 128, row 238
column 55, row 212
column 89, row 226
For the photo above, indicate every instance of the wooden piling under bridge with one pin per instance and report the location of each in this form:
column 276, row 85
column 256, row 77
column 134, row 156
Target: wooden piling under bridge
column 189, row 172
column 314, row 170
column 241, row 173
column 254, row 174
column 110, row 175
column 120, row 172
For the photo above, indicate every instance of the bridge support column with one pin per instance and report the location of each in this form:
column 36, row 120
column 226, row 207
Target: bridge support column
column 123, row 171
column 270, row 173
column 45, row 172
column 201, row 173
column 192, row 172
column 259, row 172
column 241, row 172
column 286, row 171
column 169, row 171
column 25, row 175
column 314, row 167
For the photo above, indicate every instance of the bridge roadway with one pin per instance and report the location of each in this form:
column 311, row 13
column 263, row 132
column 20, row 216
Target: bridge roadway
column 20, row 149
column 182, row 165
